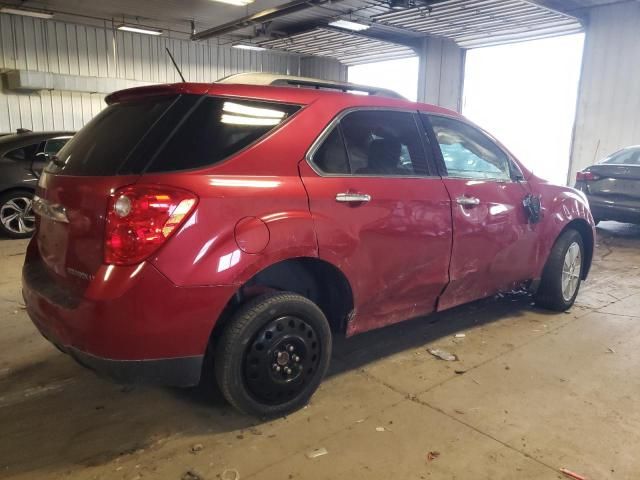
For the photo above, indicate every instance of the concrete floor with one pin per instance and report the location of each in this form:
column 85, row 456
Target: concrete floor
column 539, row 391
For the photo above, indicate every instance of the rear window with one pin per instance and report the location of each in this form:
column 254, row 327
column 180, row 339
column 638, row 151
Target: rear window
column 107, row 141
column 167, row 134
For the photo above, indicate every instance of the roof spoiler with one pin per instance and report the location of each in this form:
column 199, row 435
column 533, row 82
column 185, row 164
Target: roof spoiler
column 156, row 90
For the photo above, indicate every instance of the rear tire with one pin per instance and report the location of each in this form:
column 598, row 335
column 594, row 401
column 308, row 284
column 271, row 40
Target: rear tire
column 562, row 273
column 16, row 216
column 273, row 354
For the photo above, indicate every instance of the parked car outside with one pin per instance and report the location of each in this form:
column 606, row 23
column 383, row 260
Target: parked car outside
column 613, row 186
column 22, row 157
column 235, row 228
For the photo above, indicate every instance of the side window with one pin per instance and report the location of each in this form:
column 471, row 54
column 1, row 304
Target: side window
column 331, row 157
column 624, row 157
column 21, row 154
column 54, row 145
column 467, row 152
column 385, row 143
column 216, row 129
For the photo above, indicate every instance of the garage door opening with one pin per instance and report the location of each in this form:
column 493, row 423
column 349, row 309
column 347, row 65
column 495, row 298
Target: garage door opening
column 525, row 95
column 398, row 75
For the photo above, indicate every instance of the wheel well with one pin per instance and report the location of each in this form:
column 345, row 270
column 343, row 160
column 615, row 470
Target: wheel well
column 586, row 232
column 18, row 189
column 315, row 279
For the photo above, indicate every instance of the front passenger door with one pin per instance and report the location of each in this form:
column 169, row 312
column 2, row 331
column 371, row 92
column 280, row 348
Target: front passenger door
column 493, row 241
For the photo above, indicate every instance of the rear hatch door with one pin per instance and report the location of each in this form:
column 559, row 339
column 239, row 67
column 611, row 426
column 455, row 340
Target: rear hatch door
column 110, row 152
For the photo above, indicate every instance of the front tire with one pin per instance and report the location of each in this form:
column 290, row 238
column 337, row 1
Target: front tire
column 562, row 273
column 273, row 354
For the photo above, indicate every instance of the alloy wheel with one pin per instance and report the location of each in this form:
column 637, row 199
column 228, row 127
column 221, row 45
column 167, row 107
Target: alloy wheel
column 571, row 270
column 16, row 215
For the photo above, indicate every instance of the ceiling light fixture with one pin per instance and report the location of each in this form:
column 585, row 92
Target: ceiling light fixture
column 349, row 25
column 237, row 3
column 26, row 13
column 137, row 29
column 248, row 46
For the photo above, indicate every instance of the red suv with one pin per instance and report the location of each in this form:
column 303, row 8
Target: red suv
column 241, row 226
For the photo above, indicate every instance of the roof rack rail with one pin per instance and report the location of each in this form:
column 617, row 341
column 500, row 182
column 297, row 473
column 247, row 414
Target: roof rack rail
column 305, row 82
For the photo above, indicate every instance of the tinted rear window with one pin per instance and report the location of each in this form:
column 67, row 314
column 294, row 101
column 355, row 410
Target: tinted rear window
column 167, row 134
column 107, row 141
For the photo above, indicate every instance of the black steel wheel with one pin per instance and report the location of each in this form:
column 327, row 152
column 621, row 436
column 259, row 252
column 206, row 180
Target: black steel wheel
column 273, row 354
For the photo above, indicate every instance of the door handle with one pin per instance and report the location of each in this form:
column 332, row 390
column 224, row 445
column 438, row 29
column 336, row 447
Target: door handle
column 468, row 201
column 352, row 197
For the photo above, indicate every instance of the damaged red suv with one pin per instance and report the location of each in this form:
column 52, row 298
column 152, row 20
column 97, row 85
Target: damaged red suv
column 238, row 227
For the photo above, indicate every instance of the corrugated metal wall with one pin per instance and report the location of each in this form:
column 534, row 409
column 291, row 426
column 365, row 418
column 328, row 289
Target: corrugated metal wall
column 57, row 47
column 441, row 73
column 608, row 110
column 321, row 67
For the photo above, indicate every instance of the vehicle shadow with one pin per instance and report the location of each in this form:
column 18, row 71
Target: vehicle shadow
column 72, row 418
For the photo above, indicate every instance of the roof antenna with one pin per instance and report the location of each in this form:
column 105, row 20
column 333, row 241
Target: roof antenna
column 175, row 64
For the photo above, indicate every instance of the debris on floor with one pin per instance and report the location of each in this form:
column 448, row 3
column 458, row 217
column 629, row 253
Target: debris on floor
column 442, row 354
column 459, row 371
column 196, row 448
column 431, row 456
column 230, row 474
column 573, row 475
column 460, row 335
column 191, row 475
column 610, row 350
column 318, row 452
column 380, row 429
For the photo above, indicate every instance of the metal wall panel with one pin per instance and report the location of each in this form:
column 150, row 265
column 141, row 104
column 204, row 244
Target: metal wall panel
column 608, row 110
column 72, row 49
column 320, row 67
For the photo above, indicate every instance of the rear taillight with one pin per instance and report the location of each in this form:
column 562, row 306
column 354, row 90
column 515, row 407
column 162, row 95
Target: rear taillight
column 140, row 218
column 586, row 176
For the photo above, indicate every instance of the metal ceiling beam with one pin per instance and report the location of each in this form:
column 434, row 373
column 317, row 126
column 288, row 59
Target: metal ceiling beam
column 257, row 18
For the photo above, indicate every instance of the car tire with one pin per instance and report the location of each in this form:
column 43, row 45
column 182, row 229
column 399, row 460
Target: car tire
column 562, row 273
column 273, row 354
column 16, row 202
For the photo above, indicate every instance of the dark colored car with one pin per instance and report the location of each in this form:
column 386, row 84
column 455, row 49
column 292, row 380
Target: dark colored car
column 613, row 186
column 22, row 158
column 236, row 228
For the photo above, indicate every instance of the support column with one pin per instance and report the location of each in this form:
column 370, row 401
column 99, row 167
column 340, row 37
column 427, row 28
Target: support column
column 608, row 109
column 441, row 73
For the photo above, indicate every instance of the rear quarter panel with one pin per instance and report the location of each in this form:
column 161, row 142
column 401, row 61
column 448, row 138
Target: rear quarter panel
column 257, row 188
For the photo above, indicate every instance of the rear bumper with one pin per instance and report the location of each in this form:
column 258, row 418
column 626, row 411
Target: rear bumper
column 133, row 325
column 177, row 372
column 604, row 210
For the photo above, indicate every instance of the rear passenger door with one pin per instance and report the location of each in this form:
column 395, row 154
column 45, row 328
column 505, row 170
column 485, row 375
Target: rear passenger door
column 493, row 241
column 381, row 214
